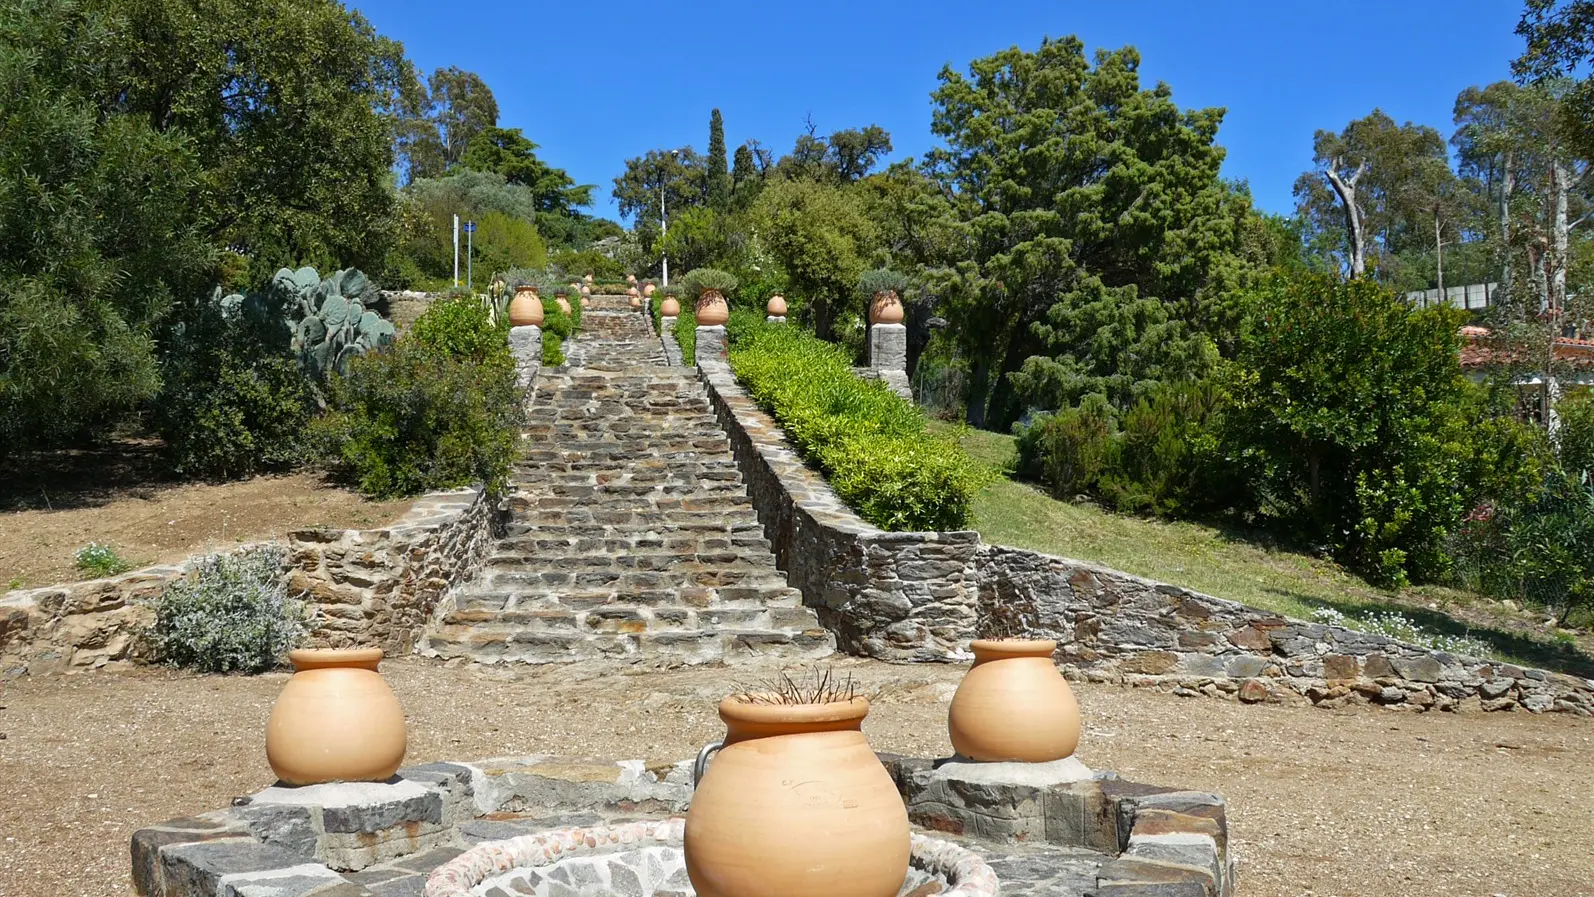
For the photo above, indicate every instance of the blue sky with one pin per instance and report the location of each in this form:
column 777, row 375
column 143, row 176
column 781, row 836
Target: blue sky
column 598, row 83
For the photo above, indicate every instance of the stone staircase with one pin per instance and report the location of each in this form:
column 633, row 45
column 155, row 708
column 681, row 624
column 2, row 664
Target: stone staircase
column 631, row 534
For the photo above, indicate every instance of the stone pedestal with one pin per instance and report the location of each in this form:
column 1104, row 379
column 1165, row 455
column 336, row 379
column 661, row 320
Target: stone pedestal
column 525, row 344
column 666, row 322
column 774, row 319
column 888, row 347
column 711, row 343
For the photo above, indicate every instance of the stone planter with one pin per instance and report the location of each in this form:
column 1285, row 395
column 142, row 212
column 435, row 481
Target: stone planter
column 336, row 720
column 669, row 308
column 796, row 804
column 711, row 309
column 1014, row 705
column 886, row 308
column 525, row 310
column 777, row 306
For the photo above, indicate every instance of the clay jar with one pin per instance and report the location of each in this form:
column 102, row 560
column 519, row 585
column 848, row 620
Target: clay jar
column 711, row 309
column 525, row 310
column 886, row 308
column 1014, row 705
column 648, row 290
column 336, row 720
column 563, row 303
column 669, row 308
column 796, row 804
column 777, row 306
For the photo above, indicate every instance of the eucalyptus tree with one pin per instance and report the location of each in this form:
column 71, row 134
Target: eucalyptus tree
column 1094, row 219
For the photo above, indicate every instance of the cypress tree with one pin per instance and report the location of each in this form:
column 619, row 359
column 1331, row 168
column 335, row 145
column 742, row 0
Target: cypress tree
column 718, row 192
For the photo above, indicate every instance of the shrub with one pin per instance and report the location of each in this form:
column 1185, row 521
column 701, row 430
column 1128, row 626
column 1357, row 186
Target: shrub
column 461, row 328
column 1068, row 451
column 553, row 350
column 881, row 280
column 869, row 441
column 232, row 614
column 701, row 280
column 1397, row 626
column 411, row 419
column 556, row 323
column 99, row 560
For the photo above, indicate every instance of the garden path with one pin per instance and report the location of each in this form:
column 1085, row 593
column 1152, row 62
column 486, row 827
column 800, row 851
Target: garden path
column 631, row 534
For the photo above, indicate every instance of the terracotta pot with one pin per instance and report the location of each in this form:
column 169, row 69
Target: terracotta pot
column 886, row 308
column 563, row 303
column 711, row 309
column 796, row 804
column 583, row 301
column 777, row 306
column 669, row 308
column 630, row 278
column 525, row 310
column 1014, row 705
column 636, row 301
column 587, row 278
column 648, row 290
column 336, row 720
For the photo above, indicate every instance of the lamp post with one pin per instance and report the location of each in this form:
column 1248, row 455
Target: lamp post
column 664, row 222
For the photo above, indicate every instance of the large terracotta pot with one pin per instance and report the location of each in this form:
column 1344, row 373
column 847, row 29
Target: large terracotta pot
column 563, row 303
column 525, row 310
column 336, row 720
column 669, row 308
column 648, row 290
column 711, row 309
column 777, row 306
column 886, row 308
column 795, row 805
column 635, row 300
column 1014, row 705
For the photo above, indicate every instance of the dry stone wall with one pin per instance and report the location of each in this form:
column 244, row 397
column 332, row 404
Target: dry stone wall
column 368, row 587
column 921, row 596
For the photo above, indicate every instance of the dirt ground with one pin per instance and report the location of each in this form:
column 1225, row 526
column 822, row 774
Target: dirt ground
column 122, row 498
column 1323, row 803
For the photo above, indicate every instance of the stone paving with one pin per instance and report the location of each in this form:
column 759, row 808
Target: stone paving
column 630, row 532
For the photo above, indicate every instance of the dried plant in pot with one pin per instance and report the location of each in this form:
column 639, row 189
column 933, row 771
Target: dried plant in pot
column 336, row 720
column 525, row 310
column 1013, row 704
column 670, row 305
column 796, row 803
column 884, row 290
column 709, row 287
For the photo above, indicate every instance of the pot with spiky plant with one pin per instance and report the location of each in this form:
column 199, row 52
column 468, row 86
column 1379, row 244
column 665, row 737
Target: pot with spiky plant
column 587, row 279
column 884, row 289
column 777, row 306
column 648, row 289
column 670, row 305
column 525, row 310
column 561, row 297
column 709, row 286
column 796, row 802
column 1013, row 704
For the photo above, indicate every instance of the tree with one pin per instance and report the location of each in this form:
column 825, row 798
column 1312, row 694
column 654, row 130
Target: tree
column 746, row 178
column 506, row 151
column 1068, row 183
column 459, row 107
column 854, row 152
column 1560, row 37
column 1347, row 422
column 99, row 231
column 823, row 237
column 505, row 211
column 673, row 177
column 290, row 106
column 717, row 186
column 1377, row 184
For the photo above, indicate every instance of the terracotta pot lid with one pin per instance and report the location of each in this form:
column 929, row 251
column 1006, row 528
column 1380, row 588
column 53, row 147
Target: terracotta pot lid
column 1018, row 647
column 327, row 658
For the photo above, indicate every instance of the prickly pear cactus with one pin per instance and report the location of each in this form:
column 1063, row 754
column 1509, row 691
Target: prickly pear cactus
column 329, row 322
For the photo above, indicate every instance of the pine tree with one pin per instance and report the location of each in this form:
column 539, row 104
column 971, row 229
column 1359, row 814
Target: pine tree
column 718, row 189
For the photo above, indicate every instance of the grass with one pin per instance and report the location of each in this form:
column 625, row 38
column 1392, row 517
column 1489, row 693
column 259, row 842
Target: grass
column 1242, row 566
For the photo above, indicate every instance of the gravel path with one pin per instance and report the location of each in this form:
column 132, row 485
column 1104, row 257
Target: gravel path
column 1351, row 802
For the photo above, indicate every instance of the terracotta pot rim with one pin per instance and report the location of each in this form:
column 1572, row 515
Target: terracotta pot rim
column 327, row 658
column 1018, row 647
column 734, row 710
column 526, row 288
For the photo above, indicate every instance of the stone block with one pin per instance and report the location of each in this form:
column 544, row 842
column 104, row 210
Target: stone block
column 1244, row 666
column 287, row 827
column 888, row 347
column 711, row 344
column 1139, row 877
column 1194, row 851
column 293, row 881
column 1417, row 669
column 148, row 880
column 197, row 870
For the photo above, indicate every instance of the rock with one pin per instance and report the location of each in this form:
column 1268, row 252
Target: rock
column 1495, row 688
column 1389, row 694
column 1253, row 691
column 1499, row 704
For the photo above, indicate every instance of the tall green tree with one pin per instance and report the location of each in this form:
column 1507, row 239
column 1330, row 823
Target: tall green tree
column 673, row 178
column 290, row 106
column 440, row 128
column 1560, row 36
column 717, row 186
column 746, row 178
column 1069, row 183
column 99, row 231
column 559, row 198
column 823, row 236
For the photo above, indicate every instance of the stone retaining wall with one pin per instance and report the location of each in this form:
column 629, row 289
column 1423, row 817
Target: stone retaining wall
column 369, row 587
column 921, row 596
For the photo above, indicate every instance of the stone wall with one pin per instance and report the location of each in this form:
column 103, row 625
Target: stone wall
column 377, row 588
column 369, row 587
column 920, row 596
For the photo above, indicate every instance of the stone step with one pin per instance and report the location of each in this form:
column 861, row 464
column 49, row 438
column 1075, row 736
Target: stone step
column 668, row 648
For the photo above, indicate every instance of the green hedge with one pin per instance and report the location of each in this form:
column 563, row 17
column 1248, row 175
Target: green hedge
column 685, row 329
column 870, row 442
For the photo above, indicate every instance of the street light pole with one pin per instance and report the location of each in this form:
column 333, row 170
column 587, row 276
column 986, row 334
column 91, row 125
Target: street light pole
column 664, row 221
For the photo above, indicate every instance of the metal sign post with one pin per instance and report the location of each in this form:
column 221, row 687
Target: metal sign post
column 470, row 230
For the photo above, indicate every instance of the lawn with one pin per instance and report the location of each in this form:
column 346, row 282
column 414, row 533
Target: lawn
column 1243, row 566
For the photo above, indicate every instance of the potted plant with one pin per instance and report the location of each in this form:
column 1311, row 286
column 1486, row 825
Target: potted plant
column 648, row 289
column 1013, row 704
column 525, row 310
column 709, row 286
column 336, row 720
column 796, row 802
column 561, row 297
column 634, row 296
column 884, row 290
column 670, row 306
